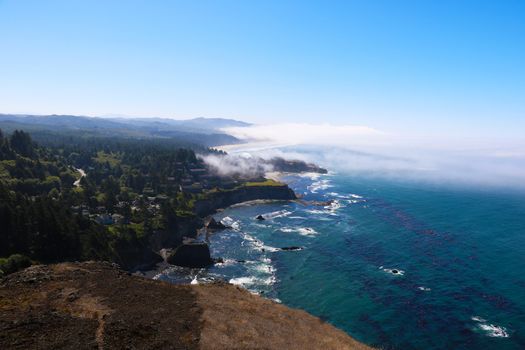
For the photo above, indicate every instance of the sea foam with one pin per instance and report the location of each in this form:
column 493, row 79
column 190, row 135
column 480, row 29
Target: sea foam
column 490, row 330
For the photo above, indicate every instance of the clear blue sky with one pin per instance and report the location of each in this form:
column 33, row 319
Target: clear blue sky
column 449, row 66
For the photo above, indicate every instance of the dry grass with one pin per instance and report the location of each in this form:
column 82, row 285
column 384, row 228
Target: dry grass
column 235, row 319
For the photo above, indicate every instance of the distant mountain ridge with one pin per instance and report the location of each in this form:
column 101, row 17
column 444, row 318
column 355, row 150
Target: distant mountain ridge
column 204, row 131
column 201, row 124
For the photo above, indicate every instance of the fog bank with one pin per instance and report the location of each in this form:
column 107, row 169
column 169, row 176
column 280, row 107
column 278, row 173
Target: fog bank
column 470, row 160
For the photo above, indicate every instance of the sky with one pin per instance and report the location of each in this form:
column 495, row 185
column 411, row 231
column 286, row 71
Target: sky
column 421, row 68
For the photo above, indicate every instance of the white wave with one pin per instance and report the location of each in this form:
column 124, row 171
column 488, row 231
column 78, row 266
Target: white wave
column 319, row 185
column 228, row 221
column 478, row 319
column 494, row 331
column 194, row 280
column 251, row 281
column 304, row 231
column 276, row 214
column 266, row 260
column 490, row 330
column 333, row 206
column 264, row 268
column 311, row 176
column 269, row 248
column 251, row 241
column 395, row 272
column 243, row 281
column 344, row 196
column 226, row 262
column 257, row 244
column 424, row 289
column 315, row 211
column 297, row 217
column 307, row 231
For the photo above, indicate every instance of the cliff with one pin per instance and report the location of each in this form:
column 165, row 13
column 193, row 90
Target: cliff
column 222, row 199
column 142, row 254
column 96, row 305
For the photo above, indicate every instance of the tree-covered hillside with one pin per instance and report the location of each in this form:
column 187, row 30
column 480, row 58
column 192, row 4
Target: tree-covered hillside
column 96, row 198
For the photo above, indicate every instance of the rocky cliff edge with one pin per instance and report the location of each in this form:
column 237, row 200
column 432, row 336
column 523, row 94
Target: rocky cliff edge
column 95, row 305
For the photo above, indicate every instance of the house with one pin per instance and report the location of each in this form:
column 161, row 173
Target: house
column 104, row 219
column 193, row 188
column 162, row 197
column 198, row 172
column 119, row 219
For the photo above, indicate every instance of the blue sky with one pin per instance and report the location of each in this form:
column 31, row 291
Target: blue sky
column 454, row 67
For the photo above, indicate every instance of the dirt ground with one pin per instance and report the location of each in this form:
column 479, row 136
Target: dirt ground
column 95, row 305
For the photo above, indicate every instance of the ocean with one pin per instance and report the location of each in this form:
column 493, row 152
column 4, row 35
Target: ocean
column 396, row 264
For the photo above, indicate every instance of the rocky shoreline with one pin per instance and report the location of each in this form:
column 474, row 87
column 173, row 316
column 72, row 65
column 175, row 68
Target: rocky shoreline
column 195, row 253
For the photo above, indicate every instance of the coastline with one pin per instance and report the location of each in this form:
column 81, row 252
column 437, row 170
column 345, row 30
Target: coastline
column 222, row 200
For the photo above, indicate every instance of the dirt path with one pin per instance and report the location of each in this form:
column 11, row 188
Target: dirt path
column 95, row 306
column 82, row 174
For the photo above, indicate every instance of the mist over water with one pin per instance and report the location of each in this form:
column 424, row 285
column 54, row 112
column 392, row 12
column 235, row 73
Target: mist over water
column 467, row 160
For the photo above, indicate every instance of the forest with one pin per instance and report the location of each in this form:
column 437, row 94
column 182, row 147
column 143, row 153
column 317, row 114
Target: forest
column 71, row 198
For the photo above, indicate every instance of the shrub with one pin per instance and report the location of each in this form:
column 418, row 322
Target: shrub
column 14, row 263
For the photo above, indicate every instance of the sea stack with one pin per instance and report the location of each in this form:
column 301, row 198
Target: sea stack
column 216, row 225
column 194, row 254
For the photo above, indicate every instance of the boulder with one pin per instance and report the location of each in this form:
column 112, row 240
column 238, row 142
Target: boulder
column 195, row 254
column 216, row 225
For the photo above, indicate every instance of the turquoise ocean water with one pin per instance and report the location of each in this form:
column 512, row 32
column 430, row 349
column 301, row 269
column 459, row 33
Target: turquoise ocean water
column 396, row 264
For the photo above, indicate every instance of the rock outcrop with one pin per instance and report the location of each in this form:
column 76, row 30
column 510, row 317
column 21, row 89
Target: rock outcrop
column 194, row 254
column 95, row 305
column 186, row 226
column 215, row 225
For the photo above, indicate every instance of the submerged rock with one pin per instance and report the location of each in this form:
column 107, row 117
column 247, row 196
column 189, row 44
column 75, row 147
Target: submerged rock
column 291, row 248
column 195, row 254
column 260, row 218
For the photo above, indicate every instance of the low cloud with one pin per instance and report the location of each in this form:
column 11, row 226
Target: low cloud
column 303, row 133
column 362, row 149
column 242, row 164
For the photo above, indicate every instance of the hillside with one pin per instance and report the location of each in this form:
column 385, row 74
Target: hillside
column 96, row 305
column 198, row 131
column 117, row 201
